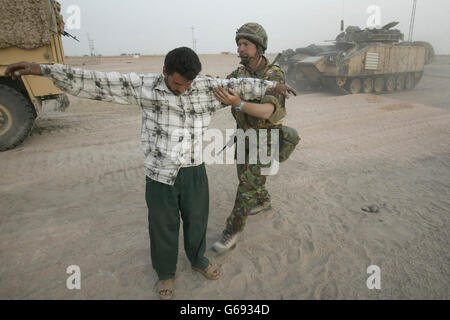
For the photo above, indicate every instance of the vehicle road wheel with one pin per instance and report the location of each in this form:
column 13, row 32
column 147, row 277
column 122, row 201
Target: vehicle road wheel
column 354, row 86
column 340, row 81
column 16, row 118
column 401, row 79
column 378, row 85
column 367, row 85
column 410, row 81
column 390, row 84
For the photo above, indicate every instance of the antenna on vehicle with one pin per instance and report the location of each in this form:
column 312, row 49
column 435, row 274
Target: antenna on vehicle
column 411, row 24
column 194, row 41
column 342, row 20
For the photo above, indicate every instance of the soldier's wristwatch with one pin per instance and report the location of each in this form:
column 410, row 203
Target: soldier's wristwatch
column 239, row 107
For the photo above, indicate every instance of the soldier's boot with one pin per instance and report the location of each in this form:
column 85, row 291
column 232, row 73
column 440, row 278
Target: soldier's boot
column 226, row 243
column 260, row 207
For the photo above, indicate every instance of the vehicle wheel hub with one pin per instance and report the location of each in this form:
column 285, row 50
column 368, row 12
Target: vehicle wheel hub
column 5, row 120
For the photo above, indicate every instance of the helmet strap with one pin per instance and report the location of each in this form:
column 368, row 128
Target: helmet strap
column 246, row 62
column 259, row 53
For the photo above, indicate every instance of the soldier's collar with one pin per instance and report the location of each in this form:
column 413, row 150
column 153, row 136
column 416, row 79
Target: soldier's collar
column 261, row 68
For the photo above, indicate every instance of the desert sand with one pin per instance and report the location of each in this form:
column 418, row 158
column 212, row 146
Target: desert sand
column 73, row 194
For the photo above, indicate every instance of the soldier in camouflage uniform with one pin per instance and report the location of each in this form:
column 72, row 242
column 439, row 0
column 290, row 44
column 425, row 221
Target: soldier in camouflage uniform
column 59, row 18
column 252, row 196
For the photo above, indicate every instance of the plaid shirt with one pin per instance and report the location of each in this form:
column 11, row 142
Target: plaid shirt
column 172, row 126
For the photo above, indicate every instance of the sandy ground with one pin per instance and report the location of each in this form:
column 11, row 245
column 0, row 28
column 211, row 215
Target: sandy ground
column 73, row 194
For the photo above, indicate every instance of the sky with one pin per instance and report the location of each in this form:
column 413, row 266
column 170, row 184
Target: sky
column 157, row 26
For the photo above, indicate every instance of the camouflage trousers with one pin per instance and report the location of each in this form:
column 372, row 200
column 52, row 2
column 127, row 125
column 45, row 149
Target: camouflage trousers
column 251, row 190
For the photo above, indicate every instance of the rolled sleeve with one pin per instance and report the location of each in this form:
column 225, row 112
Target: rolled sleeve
column 279, row 111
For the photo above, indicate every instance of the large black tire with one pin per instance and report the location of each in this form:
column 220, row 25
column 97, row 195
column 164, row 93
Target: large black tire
column 16, row 117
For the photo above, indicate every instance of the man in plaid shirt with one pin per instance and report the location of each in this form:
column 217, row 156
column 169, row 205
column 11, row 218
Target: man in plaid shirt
column 177, row 106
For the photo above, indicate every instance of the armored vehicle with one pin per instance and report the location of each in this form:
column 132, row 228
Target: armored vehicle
column 369, row 60
column 30, row 31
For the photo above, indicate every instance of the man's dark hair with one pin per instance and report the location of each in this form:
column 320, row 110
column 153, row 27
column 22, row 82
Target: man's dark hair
column 184, row 61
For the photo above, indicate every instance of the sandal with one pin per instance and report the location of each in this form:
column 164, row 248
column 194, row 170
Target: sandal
column 165, row 289
column 211, row 272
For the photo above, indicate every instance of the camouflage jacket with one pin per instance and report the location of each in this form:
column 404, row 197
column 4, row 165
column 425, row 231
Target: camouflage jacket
column 264, row 72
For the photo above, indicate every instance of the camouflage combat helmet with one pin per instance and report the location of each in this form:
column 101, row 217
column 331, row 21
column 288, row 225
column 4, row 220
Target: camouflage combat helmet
column 253, row 32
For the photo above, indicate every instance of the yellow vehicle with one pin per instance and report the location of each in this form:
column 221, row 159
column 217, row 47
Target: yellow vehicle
column 369, row 60
column 30, row 31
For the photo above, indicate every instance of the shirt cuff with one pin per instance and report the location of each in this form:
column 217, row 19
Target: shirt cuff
column 274, row 85
column 46, row 69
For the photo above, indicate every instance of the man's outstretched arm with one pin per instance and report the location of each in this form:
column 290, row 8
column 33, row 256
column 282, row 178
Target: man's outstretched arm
column 104, row 86
column 234, row 90
column 232, row 98
column 253, row 88
column 270, row 107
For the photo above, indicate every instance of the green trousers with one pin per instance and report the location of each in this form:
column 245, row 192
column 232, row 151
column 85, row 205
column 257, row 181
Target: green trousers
column 188, row 198
column 252, row 184
column 251, row 191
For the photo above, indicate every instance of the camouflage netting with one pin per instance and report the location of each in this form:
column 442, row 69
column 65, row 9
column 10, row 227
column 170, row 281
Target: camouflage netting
column 26, row 24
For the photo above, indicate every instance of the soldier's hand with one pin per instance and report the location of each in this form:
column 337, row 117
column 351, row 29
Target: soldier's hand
column 229, row 98
column 284, row 89
column 16, row 70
